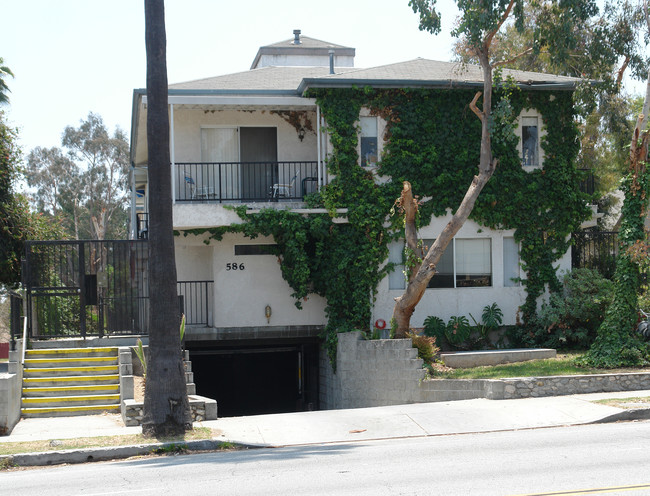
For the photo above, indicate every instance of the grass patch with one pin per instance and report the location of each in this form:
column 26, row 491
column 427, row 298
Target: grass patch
column 197, row 434
column 626, row 403
column 563, row 364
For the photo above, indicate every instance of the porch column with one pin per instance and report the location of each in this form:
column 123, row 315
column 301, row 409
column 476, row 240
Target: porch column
column 171, row 149
column 318, row 150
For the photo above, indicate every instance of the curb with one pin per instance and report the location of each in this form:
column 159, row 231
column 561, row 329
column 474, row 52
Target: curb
column 625, row 416
column 112, row 453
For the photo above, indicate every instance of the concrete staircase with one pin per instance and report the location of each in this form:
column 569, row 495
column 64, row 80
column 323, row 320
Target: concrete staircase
column 70, row 381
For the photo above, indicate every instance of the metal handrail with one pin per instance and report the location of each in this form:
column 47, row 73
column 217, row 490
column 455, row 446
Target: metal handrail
column 22, row 361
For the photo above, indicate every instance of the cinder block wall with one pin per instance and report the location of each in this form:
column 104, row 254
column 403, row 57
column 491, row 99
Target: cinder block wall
column 10, row 393
column 370, row 373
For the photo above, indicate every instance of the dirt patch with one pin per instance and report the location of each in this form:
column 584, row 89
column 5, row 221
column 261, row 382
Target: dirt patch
column 138, row 388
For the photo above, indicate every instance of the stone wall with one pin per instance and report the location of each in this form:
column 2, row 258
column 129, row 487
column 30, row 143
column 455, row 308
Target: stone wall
column 533, row 387
column 200, row 407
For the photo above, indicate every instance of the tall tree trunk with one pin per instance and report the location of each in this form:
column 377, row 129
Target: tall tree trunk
column 419, row 278
column 166, row 407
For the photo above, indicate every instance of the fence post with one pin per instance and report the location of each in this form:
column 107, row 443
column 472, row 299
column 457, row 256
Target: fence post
column 14, row 308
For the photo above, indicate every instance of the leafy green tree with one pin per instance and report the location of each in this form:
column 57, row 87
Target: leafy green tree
column 617, row 343
column 87, row 186
column 604, row 49
column 59, row 190
column 166, row 407
column 4, row 89
column 479, row 23
column 104, row 160
column 17, row 223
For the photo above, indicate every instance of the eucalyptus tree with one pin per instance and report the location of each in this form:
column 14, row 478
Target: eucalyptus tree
column 166, row 406
column 617, row 344
column 4, row 89
column 104, row 169
column 479, row 22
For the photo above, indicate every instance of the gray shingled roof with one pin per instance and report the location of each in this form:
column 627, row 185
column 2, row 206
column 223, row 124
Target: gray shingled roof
column 305, row 42
column 264, row 79
column 413, row 73
column 424, row 72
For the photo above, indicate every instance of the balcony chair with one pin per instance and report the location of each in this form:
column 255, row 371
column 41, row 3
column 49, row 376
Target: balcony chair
column 190, row 181
column 283, row 190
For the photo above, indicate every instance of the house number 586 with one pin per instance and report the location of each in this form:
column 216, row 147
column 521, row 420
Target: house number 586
column 234, row 266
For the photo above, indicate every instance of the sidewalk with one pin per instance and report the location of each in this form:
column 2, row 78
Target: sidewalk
column 332, row 426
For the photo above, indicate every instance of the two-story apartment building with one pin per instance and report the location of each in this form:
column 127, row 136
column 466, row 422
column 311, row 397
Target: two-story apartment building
column 261, row 139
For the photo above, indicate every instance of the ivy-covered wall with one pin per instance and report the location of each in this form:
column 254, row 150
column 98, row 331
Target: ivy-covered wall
column 433, row 141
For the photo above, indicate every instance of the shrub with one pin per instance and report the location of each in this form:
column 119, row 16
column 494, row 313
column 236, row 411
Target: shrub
column 426, row 345
column 571, row 317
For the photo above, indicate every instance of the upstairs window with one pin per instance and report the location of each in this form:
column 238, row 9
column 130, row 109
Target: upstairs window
column 530, row 133
column 368, row 141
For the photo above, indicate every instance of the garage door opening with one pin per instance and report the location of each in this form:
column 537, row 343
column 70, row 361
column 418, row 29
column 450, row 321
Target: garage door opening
column 258, row 380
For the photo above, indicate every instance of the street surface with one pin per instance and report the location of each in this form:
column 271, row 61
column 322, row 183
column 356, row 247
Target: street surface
column 591, row 459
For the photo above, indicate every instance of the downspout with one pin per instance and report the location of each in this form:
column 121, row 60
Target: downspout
column 318, row 150
column 171, row 151
column 133, row 206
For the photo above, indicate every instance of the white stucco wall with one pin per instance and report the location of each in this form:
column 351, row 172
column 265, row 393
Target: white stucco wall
column 188, row 124
column 445, row 303
column 241, row 296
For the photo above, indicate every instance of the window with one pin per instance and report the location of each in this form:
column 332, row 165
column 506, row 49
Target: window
column 530, row 141
column 444, row 277
column 256, row 249
column 396, row 256
column 473, row 262
column 465, row 263
column 510, row 262
column 368, row 141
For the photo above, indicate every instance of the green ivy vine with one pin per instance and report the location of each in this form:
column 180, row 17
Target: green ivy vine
column 433, row 141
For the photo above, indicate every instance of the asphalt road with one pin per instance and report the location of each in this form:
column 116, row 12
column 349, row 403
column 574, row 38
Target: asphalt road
column 591, row 459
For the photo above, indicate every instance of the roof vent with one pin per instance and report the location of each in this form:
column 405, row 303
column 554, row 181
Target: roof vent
column 296, row 37
column 331, row 54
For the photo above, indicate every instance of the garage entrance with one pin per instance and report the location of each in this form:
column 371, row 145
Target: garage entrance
column 255, row 380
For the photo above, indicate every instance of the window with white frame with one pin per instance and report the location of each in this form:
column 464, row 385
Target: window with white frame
column 465, row 263
column 396, row 278
column 510, row 262
column 530, row 141
column 369, row 140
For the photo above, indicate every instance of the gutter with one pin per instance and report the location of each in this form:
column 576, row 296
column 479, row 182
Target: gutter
column 308, row 83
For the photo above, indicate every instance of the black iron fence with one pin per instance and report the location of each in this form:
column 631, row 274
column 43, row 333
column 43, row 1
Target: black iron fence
column 197, row 301
column 595, row 250
column 81, row 288
column 96, row 288
column 588, row 183
column 244, row 181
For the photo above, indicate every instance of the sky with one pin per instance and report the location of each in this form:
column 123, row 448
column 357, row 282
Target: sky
column 72, row 57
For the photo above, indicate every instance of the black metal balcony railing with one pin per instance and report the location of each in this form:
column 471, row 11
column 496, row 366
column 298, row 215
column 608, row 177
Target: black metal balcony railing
column 196, row 297
column 244, row 181
column 142, row 226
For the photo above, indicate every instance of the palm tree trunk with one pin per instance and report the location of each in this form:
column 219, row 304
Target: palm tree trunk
column 166, row 407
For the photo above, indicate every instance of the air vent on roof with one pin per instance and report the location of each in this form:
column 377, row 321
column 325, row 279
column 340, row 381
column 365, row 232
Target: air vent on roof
column 296, row 37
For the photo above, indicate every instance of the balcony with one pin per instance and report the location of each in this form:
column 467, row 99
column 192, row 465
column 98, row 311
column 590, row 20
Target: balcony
column 232, row 182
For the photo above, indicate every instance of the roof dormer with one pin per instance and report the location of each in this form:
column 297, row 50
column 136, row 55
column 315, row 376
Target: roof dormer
column 303, row 51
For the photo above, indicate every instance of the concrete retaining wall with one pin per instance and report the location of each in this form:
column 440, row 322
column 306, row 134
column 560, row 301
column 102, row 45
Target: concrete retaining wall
column 10, row 394
column 388, row 372
column 370, row 373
